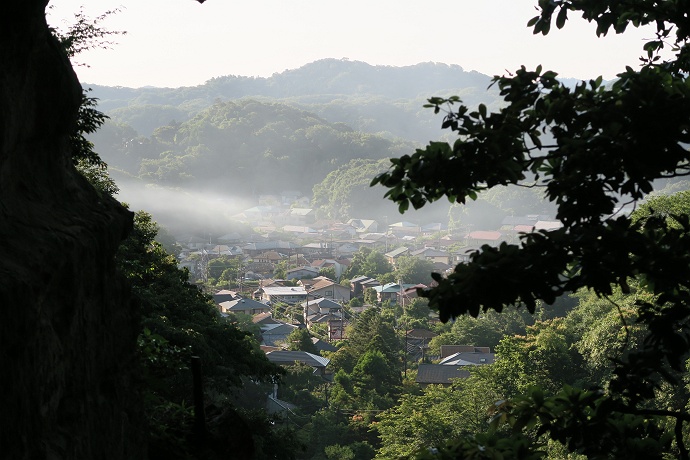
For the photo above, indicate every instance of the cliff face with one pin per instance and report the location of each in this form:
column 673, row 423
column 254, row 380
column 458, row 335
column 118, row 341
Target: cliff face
column 68, row 329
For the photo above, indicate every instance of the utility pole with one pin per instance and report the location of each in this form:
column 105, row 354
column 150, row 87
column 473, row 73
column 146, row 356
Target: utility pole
column 386, row 232
column 402, row 304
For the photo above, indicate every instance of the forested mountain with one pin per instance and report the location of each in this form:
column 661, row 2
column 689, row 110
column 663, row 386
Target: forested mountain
column 324, row 77
column 379, row 99
column 330, row 124
column 242, row 148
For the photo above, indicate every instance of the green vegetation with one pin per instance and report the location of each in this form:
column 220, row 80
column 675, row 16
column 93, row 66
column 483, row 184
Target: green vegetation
column 246, row 141
column 598, row 369
column 588, row 148
column 179, row 322
column 367, row 262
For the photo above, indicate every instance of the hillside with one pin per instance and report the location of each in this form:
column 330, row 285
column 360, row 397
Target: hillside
column 323, row 77
column 377, row 99
column 235, row 138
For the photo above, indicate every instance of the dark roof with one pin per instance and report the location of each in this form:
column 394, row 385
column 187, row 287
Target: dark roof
column 359, row 279
column 439, row 374
column 242, row 305
column 430, row 252
column 264, row 318
column 421, row 334
column 322, row 345
column 447, row 350
column 322, row 303
column 468, row 359
column 291, row 357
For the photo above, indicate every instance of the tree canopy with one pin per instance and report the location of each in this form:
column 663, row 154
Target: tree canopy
column 591, row 149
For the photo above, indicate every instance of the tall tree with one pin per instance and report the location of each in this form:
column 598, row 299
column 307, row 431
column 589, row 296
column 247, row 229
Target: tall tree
column 413, row 270
column 607, row 144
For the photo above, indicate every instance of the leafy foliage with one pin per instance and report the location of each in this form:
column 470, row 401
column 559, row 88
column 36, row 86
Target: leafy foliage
column 413, row 270
column 249, row 138
column 439, row 413
column 606, row 146
column 84, row 34
column 368, row 262
column 300, row 340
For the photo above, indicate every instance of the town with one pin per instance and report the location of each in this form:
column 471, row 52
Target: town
column 293, row 272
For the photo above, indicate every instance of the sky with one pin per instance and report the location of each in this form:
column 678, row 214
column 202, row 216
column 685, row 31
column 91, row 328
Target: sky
column 171, row 43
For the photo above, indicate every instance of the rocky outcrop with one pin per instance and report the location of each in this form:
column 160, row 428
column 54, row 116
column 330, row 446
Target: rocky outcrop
column 68, row 330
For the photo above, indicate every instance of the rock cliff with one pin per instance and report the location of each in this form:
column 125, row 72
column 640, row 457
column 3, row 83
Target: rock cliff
column 68, row 328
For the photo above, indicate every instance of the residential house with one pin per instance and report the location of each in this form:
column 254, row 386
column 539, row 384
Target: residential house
column 264, row 318
column 298, row 260
column 392, row 256
column 390, row 292
column 301, row 272
column 275, row 334
column 317, row 248
column 482, row 237
column 230, row 238
column 363, row 225
column 432, row 255
column 278, row 406
column 300, row 230
column 404, row 228
column 329, row 289
column 224, row 250
column 447, row 350
column 377, row 237
column 450, row 240
column 321, row 311
column 346, row 248
column 439, row 374
column 322, row 345
column 371, row 244
column 548, row 225
column 469, row 358
column 514, row 225
column 307, row 283
column 336, row 230
column 286, row 358
column 224, row 295
column 301, row 216
column 286, row 294
column 254, row 248
column 360, row 284
column 246, row 306
column 269, row 257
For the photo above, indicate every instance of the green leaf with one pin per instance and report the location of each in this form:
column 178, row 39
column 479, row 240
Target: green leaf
column 562, row 17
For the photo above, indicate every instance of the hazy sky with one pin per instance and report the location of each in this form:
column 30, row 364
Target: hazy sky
column 184, row 43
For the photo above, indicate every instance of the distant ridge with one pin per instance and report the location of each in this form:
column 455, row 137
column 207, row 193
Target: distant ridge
column 323, row 77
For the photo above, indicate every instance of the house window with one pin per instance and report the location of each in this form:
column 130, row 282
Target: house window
column 329, row 293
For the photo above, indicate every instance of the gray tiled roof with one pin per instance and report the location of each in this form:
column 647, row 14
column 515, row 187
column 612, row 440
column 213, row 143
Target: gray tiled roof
column 289, row 357
column 439, row 374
